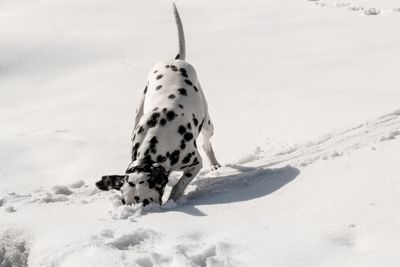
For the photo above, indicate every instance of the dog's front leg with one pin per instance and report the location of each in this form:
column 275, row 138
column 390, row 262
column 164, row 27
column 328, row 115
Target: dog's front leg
column 187, row 177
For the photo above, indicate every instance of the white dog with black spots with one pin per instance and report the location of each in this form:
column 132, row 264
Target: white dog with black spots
column 172, row 113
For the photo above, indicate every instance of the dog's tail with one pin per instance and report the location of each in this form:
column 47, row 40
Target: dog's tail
column 181, row 35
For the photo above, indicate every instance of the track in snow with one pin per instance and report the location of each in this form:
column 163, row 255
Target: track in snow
column 369, row 134
column 360, row 9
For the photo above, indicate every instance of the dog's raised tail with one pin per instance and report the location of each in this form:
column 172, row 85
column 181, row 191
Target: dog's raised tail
column 181, row 35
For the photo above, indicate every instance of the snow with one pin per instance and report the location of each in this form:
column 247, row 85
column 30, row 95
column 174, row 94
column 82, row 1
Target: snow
column 61, row 190
column 305, row 99
column 13, row 248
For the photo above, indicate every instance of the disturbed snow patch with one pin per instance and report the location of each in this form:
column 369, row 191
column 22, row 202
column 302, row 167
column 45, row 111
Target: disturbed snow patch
column 77, row 192
column 148, row 248
column 61, row 190
column 14, row 248
column 133, row 212
column 140, row 247
column 361, row 9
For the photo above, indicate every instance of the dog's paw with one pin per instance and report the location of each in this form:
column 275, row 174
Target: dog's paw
column 215, row 167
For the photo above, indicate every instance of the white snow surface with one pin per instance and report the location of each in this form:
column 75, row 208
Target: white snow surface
column 305, row 99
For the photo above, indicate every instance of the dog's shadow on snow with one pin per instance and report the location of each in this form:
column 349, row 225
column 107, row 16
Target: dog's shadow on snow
column 242, row 184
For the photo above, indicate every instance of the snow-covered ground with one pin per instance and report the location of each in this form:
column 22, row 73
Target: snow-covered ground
column 305, row 98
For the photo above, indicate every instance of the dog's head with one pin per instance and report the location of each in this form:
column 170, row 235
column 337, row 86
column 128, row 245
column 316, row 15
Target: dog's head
column 141, row 184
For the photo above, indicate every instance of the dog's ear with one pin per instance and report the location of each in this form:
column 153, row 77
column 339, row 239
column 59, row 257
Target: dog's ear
column 111, row 182
column 158, row 176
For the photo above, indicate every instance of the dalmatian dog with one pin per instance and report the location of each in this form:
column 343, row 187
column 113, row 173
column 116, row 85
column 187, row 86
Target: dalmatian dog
column 172, row 113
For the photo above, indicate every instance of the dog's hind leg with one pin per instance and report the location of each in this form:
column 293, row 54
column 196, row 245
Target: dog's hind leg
column 207, row 132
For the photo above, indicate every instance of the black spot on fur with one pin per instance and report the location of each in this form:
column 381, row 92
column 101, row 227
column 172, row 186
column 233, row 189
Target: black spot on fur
column 153, row 143
column 209, row 122
column 187, row 158
column 195, row 121
column 183, row 72
column 136, row 146
column 141, row 129
column 152, row 122
column 152, row 184
column 195, row 88
column 159, row 87
column 188, row 136
column 189, row 126
column 132, row 184
column 153, row 119
column 174, row 68
column 134, row 150
column 181, row 106
column 145, row 202
column 159, row 76
column 147, row 158
column 183, row 144
column 168, row 155
column 164, row 110
column 167, row 66
column 181, row 130
column 153, row 140
column 171, row 115
column 161, row 159
column 188, row 174
column 171, row 96
column 145, row 90
column 194, row 143
column 155, row 115
column 201, row 125
column 174, row 158
column 163, row 121
column 177, row 56
column 137, row 199
column 141, row 182
column 187, row 81
column 182, row 91
column 155, row 109
column 195, row 161
column 155, row 71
